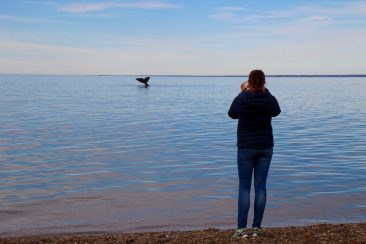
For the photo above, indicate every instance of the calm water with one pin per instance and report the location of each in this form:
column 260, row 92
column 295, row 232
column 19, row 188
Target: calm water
column 102, row 153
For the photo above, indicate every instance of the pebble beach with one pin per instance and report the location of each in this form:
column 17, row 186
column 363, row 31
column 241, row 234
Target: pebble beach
column 321, row 233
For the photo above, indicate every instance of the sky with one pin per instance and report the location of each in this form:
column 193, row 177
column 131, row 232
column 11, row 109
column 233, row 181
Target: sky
column 190, row 37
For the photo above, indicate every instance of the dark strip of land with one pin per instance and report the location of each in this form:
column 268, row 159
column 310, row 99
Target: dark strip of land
column 238, row 75
column 322, row 233
column 243, row 76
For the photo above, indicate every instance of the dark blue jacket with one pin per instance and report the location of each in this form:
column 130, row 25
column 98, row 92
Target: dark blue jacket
column 255, row 112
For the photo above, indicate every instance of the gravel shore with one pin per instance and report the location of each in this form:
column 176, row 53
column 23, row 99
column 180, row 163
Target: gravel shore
column 322, row 233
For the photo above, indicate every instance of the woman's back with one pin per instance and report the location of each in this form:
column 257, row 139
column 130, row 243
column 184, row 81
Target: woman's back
column 254, row 111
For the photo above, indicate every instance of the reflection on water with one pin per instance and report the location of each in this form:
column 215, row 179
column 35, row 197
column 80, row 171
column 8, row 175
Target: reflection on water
column 102, row 153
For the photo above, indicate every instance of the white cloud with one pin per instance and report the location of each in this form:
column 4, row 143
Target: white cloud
column 228, row 13
column 94, row 7
column 233, row 9
column 319, row 19
column 223, row 15
column 315, row 14
column 355, row 8
column 20, row 19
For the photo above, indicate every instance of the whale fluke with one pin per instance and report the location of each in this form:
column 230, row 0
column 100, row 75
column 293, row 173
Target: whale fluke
column 144, row 80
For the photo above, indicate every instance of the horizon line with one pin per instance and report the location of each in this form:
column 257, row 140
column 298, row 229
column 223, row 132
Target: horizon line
column 181, row 75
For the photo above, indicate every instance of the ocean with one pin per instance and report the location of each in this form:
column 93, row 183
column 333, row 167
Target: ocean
column 104, row 153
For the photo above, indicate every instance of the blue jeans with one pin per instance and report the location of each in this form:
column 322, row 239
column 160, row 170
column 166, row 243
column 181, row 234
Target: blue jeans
column 259, row 161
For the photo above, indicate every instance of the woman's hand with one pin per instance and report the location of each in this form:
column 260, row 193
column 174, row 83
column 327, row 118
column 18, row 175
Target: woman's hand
column 244, row 86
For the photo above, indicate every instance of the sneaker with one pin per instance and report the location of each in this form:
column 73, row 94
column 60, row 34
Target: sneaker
column 256, row 232
column 241, row 233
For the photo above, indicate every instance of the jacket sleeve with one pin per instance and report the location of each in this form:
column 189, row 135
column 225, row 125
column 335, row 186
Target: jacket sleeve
column 276, row 110
column 233, row 111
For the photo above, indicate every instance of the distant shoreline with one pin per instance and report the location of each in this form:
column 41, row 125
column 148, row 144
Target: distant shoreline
column 296, row 76
column 139, row 75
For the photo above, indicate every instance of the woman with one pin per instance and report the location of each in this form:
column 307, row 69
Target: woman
column 254, row 107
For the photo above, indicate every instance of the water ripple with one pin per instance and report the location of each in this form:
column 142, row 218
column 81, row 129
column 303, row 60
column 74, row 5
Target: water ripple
column 76, row 150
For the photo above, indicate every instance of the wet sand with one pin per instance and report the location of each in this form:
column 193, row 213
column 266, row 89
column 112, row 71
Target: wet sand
column 322, row 233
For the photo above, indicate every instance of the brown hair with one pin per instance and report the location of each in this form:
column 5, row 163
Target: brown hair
column 256, row 80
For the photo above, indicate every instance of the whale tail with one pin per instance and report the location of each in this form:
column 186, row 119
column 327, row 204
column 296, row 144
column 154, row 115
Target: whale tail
column 144, row 80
